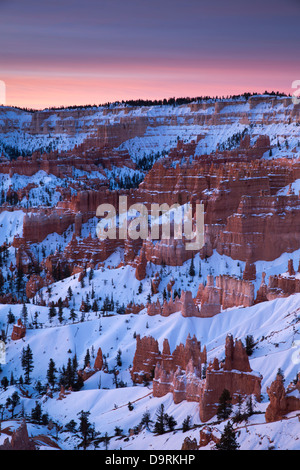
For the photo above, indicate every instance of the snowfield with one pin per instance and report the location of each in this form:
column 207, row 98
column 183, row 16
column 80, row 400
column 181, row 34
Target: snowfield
column 274, row 326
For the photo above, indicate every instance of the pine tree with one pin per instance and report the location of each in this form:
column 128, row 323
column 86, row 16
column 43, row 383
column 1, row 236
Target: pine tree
column 170, row 422
column 192, row 268
column 106, row 440
column 85, row 428
column 73, row 315
column 228, row 439
column 225, row 406
column 51, row 373
column 27, row 363
column 146, row 420
column 12, row 402
column 10, row 317
column 118, row 359
column 36, row 413
column 4, row 383
column 159, row 425
column 87, row 359
column 186, row 424
column 51, row 313
column 250, row 344
column 70, row 293
column 24, row 314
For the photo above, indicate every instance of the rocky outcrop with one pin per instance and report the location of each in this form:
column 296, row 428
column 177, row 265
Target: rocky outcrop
column 209, row 434
column 20, row 440
column 141, row 264
column 281, row 285
column 228, row 292
column 249, row 273
column 36, row 282
column 89, row 371
column 183, row 373
column 282, row 401
column 234, row 374
column 145, row 359
column 185, row 305
column 189, row 444
column 134, row 308
column 19, row 331
column 148, row 358
column 261, row 227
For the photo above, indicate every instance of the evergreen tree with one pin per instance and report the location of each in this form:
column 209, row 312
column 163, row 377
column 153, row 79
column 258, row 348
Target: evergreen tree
column 10, row 317
column 186, row 424
column 250, row 343
column 106, row 440
column 12, row 380
column 12, row 402
column 118, row 431
column 51, row 313
column 36, row 413
column 85, row 428
column 130, row 406
column 170, row 422
column 225, row 406
column 27, row 363
column 70, row 293
column 71, row 426
column 250, row 406
column 24, row 314
column 69, row 375
column 119, row 359
column 146, row 420
column 73, row 315
column 228, row 439
column 192, row 268
column 51, row 373
column 4, row 383
column 159, row 425
column 87, row 359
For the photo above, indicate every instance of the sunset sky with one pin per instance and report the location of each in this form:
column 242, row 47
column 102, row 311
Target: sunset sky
column 67, row 52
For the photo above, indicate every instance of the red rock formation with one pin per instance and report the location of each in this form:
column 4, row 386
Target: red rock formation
column 19, row 331
column 25, row 260
column 189, row 444
column 88, row 371
column 281, row 285
column 282, row 402
column 209, row 434
column 36, row 282
column 209, row 298
column 179, row 373
column 141, row 263
column 155, row 283
column 235, row 375
column 249, row 273
column 154, row 308
column 236, row 357
column 145, row 359
column 134, row 308
column 20, row 440
column 261, row 228
column 188, row 307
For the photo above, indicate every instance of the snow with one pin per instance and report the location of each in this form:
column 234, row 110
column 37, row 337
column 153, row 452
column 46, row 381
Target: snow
column 274, row 324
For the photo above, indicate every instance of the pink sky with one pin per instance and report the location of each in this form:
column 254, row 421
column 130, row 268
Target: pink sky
column 71, row 52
